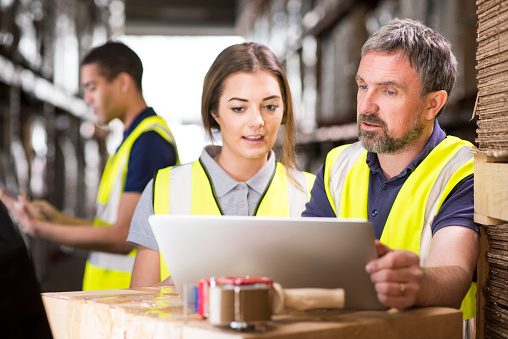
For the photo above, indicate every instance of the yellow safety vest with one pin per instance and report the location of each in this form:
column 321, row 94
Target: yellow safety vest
column 110, row 270
column 346, row 178
column 188, row 190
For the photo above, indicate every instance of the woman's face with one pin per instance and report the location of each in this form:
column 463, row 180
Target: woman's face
column 250, row 112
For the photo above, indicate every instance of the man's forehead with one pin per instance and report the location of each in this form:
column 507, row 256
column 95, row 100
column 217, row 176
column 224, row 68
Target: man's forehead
column 395, row 54
column 91, row 67
column 385, row 67
column 91, row 73
column 384, row 59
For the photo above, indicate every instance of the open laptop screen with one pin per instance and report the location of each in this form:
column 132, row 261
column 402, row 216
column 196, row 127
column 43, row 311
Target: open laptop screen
column 295, row 252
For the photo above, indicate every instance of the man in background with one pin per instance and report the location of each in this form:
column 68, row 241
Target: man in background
column 111, row 75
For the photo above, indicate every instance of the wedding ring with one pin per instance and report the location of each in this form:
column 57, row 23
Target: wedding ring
column 402, row 289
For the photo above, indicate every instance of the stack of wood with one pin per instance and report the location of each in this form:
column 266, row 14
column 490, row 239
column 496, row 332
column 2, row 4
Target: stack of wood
column 492, row 57
column 491, row 167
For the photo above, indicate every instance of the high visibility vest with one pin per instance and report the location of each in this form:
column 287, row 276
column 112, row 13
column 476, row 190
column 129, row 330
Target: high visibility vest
column 188, row 190
column 110, row 270
column 346, row 178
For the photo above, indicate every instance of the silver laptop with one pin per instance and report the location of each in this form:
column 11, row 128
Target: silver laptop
column 295, row 252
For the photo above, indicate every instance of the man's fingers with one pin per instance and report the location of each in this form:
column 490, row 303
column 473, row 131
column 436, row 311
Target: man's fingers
column 382, row 249
column 401, row 275
column 397, row 289
column 394, row 259
column 7, row 199
column 25, row 208
column 399, row 295
column 32, row 211
column 396, row 277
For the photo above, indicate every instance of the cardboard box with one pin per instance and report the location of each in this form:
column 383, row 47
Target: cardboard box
column 159, row 313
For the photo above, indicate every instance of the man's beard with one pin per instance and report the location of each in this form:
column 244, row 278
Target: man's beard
column 385, row 144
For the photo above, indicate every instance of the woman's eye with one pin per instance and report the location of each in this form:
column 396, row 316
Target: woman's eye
column 272, row 107
column 237, row 109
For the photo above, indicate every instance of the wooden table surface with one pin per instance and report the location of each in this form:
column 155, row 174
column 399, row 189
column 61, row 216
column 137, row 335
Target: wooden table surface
column 159, row 313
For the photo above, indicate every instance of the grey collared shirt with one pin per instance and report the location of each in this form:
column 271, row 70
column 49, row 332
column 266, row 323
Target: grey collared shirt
column 235, row 198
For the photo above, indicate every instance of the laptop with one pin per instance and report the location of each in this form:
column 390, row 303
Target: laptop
column 295, row 252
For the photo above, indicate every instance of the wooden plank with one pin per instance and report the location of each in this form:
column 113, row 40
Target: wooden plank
column 484, row 220
column 491, row 188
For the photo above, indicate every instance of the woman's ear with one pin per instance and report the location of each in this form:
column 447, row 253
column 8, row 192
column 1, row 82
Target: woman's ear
column 434, row 102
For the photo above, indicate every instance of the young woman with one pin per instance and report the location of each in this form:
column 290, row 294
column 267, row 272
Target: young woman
column 246, row 97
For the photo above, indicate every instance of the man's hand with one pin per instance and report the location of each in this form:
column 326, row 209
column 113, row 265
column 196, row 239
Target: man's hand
column 7, row 198
column 23, row 212
column 48, row 212
column 396, row 275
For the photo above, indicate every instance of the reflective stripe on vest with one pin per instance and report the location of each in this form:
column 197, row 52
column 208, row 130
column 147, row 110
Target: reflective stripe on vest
column 102, row 265
column 200, row 199
column 431, row 182
column 113, row 178
column 187, row 189
column 349, row 154
column 460, row 162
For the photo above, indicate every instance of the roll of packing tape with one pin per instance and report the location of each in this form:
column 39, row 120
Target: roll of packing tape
column 241, row 304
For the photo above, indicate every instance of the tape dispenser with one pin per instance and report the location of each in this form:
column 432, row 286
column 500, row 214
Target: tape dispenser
column 240, row 302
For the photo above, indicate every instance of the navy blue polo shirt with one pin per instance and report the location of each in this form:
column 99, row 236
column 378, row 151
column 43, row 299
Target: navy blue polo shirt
column 149, row 153
column 457, row 209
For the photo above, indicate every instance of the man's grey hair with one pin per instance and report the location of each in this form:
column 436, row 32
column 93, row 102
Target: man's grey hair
column 428, row 52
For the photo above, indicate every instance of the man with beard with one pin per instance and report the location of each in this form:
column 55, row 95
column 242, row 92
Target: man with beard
column 414, row 183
